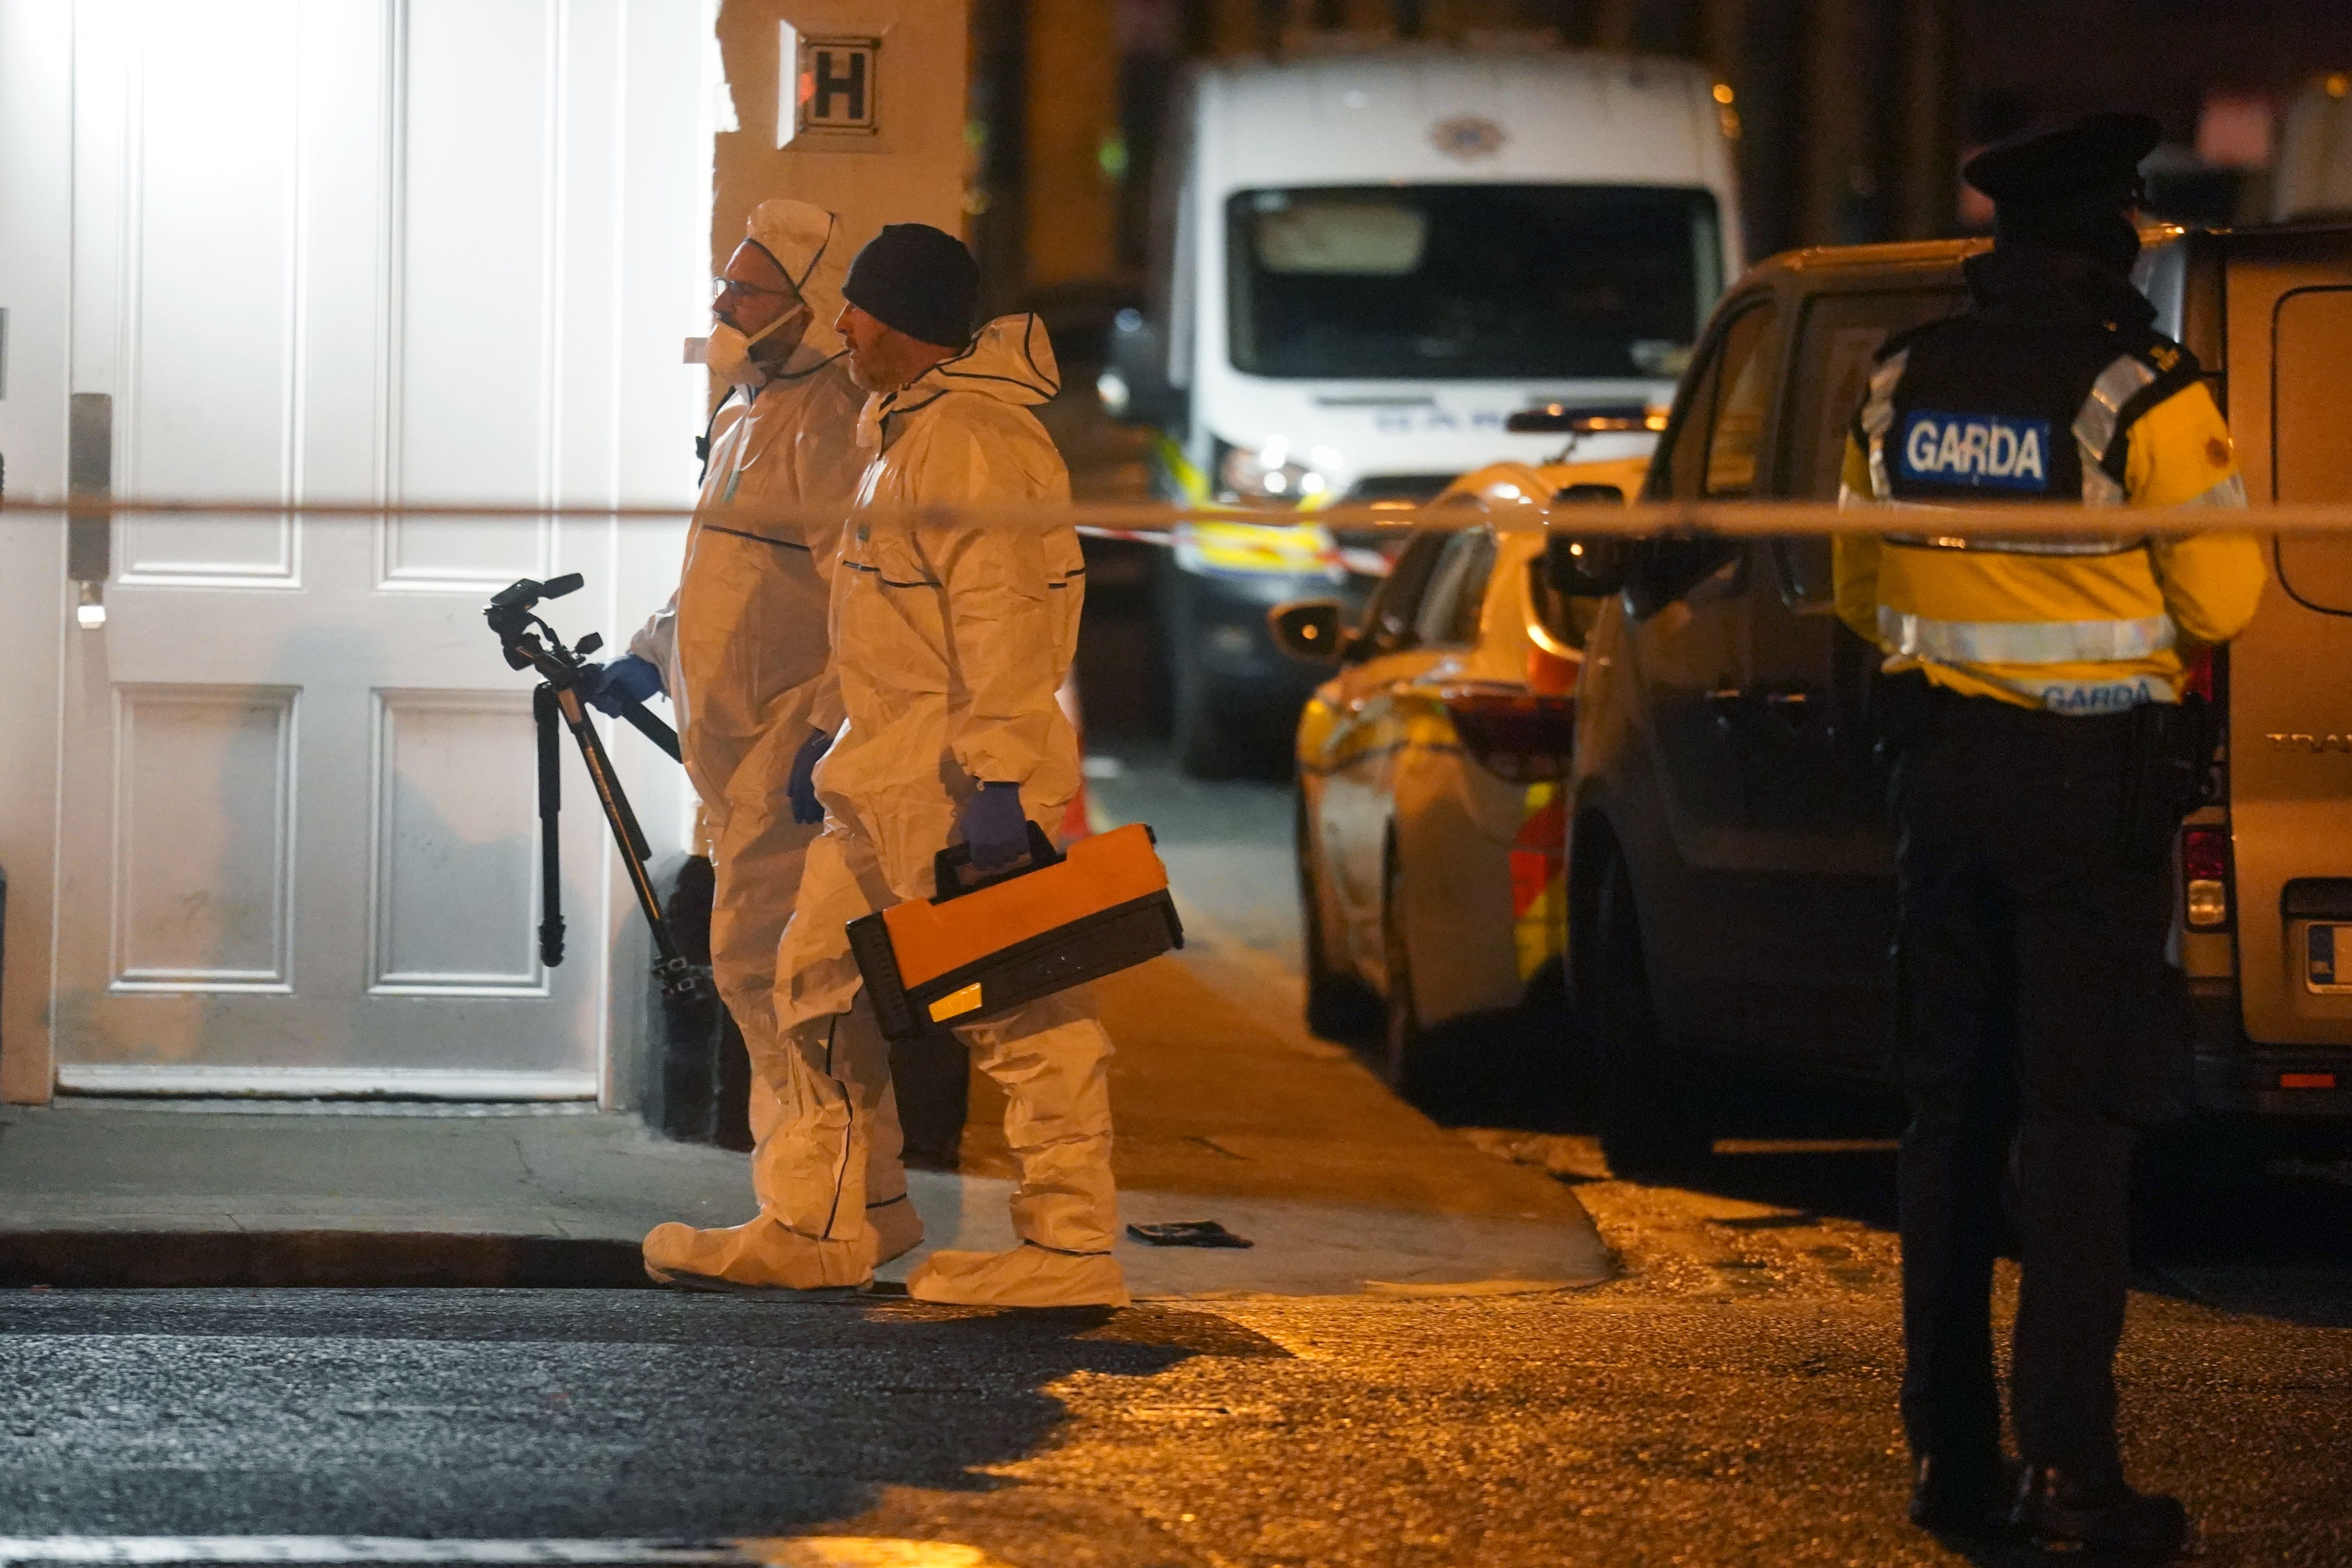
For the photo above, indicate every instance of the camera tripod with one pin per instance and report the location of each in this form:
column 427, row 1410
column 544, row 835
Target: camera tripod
column 532, row 643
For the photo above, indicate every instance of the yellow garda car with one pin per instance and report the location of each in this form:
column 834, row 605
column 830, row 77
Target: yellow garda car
column 1430, row 830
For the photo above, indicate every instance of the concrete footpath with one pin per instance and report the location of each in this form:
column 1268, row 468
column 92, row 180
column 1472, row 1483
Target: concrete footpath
column 1227, row 1110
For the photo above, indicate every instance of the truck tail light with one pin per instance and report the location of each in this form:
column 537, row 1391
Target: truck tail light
column 2205, row 874
column 1517, row 736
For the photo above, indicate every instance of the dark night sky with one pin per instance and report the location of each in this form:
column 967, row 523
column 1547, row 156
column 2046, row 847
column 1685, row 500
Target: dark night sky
column 2062, row 57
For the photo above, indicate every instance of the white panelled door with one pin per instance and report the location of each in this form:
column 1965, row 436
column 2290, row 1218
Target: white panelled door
column 334, row 250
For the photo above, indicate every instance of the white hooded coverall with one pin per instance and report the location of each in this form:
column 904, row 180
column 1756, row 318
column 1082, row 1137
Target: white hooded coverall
column 952, row 639
column 742, row 644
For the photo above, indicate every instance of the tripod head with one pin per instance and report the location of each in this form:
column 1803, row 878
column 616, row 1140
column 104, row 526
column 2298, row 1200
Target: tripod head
column 529, row 642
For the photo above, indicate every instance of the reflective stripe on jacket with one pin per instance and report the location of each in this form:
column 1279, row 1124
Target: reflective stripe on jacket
column 2076, row 623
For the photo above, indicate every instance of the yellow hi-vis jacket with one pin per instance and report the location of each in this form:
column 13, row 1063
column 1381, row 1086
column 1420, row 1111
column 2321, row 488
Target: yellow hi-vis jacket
column 2076, row 632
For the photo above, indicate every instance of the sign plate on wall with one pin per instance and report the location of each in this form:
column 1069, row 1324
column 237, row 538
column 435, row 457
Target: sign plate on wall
column 833, row 87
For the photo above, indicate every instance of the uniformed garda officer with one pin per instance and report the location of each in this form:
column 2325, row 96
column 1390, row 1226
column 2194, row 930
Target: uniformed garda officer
column 2042, row 759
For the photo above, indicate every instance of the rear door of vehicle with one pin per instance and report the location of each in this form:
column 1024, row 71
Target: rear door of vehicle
column 1689, row 596
column 2289, row 385
column 1359, row 756
column 1815, row 794
column 1455, row 897
column 1755, row 698
column 1687, row 634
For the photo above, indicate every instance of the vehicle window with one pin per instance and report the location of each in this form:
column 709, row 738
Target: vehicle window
column 2312, row 349
column 1457, row 591
column 1712, row 451
column 1469, row 281
column 1388, row 620
column 1837, row 339
column 1697, row 459
column 1745, row 384
column 1675, row 472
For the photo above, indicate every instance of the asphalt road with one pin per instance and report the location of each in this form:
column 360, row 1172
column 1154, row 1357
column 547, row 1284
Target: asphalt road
column 1728, row 1399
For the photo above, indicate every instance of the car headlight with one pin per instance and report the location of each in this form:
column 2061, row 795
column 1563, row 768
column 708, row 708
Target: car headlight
column 1269, row 474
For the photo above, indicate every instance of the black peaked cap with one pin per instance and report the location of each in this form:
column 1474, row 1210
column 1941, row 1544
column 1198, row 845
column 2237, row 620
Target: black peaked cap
column 2089, row 160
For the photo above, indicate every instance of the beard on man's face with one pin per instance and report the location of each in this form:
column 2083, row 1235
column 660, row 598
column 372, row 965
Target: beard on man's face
column 868, row 374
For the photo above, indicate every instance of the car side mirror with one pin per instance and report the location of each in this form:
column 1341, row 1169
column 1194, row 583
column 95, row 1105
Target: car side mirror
column 1308, row 630
column 1586, row 568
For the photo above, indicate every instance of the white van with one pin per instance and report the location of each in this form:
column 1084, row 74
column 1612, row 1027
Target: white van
column 1365, row 264
column 2313, row 178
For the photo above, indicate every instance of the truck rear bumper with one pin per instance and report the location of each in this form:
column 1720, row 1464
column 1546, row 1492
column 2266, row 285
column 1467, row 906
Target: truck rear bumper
column 2235, row 1076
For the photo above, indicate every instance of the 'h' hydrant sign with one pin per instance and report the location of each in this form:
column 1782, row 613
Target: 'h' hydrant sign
column 834, row 84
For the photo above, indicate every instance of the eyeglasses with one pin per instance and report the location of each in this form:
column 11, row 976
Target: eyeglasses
column 722, row 287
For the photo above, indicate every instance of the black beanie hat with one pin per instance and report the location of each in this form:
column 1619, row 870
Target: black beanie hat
column 921, row 280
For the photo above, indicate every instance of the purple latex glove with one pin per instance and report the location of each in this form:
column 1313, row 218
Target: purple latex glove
column 994, row 828
column 807, row 810
column 608, row 687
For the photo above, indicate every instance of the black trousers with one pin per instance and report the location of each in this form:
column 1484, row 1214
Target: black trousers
column 2034, row 1035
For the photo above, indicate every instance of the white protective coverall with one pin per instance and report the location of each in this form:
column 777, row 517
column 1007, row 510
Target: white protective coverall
column 742, row 649
column 950, row 639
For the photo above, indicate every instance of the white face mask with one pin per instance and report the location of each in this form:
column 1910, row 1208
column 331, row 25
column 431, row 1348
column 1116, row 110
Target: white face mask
column 727, row 353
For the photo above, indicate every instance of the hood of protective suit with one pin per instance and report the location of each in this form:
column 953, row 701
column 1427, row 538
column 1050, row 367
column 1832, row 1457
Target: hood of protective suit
column 808, row 243
column 1010, row 361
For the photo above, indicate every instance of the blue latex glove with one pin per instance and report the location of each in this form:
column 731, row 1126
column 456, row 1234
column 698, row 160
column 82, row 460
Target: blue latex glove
column 807, row 810
column 608, row 687
column 994, row 828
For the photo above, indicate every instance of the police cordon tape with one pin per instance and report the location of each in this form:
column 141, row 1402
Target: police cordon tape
column 1151, row 521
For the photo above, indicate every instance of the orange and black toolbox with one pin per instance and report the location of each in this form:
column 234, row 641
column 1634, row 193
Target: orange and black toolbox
column 989, row 942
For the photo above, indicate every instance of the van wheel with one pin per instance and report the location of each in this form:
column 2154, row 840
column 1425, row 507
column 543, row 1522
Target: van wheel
column 1338, row 1007
column 1405, row 1056
column 1648, row 1125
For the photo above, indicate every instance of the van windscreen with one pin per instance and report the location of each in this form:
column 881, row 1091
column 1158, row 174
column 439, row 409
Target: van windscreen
column 1469, row 282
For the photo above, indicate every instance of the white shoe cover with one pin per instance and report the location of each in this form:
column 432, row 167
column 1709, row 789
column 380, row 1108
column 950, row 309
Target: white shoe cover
column 897, row 1228
column 1028, row 1275
column 759, row 1256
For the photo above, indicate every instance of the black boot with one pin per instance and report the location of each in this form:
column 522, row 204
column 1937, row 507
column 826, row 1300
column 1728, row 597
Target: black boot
column 1958, row 1495
column 2054, row 1508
